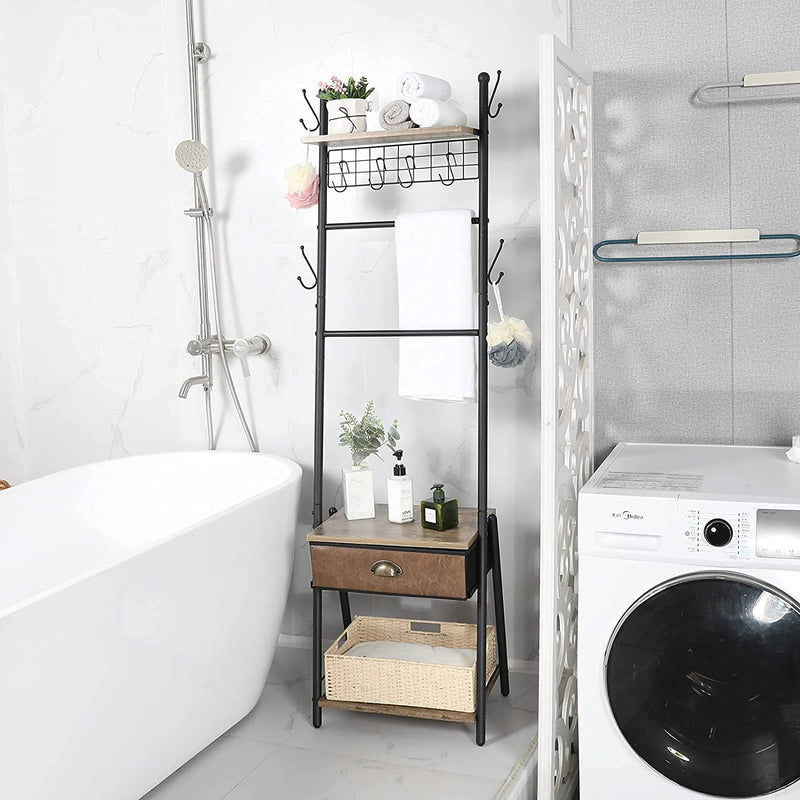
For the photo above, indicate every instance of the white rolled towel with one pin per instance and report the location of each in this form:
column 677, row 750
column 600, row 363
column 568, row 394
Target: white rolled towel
column 429, row 113
column 411, row 85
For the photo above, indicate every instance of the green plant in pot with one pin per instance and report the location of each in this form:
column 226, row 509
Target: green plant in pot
column 347, row 104
column 364, row 436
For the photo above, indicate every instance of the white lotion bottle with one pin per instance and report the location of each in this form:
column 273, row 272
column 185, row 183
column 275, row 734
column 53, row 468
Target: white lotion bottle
column 400, row 493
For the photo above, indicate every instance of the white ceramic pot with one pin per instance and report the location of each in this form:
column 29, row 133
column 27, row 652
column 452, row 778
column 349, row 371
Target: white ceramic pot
column 347, row 116
column 359, row 493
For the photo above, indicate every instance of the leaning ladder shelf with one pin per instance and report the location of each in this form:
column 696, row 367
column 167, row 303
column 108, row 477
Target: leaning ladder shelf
column 376, row 159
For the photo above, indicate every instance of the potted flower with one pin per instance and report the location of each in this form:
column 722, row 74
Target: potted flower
column 347, row 104
column 364, row 437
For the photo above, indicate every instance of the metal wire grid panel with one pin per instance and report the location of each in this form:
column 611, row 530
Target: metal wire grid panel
column 405, row 165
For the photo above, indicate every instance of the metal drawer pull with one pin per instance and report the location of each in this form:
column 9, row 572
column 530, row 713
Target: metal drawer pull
column 386, row 569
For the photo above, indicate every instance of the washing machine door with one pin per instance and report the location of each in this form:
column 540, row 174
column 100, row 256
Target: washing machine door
column 703, row 679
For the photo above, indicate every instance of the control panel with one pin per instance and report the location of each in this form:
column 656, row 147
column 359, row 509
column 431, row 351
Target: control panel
column 722, row 529
column 739, row 532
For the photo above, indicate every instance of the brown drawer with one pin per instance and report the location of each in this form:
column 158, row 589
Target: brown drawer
column 425, row 574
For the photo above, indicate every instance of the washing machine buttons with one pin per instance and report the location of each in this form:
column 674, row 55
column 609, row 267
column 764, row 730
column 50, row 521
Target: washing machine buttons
column 718, row 532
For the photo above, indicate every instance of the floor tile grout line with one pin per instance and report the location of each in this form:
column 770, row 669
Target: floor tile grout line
column 383, row 760
column 373, row 761
column 238, row 783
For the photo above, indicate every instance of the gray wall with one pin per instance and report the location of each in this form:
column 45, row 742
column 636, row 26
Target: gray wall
column 705, row 351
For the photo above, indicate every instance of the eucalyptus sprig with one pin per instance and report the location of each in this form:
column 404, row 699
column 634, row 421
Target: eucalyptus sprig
column 367, row 435
column 337, row 90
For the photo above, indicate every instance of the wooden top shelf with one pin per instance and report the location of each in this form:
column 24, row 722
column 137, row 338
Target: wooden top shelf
column 339, row 140
column 382, row 533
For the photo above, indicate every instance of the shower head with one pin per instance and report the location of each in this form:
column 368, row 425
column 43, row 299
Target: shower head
column 192, row 156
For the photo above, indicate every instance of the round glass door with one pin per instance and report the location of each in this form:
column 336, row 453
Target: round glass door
column 703, row 678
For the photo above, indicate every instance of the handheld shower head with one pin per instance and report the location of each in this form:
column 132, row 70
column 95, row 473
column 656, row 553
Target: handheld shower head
column 192, row 156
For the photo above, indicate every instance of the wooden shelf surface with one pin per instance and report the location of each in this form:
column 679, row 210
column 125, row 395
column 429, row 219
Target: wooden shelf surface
column 340, row 140
column 382, row 533
column 410, row 711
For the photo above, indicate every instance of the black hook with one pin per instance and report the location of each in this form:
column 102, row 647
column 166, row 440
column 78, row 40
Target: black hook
column 410, row 167
column 494, row 261
column 491, row 99
column 451, row 176
column 380, row 163
column 343, row 187
column 300, row 280
column 316, row 127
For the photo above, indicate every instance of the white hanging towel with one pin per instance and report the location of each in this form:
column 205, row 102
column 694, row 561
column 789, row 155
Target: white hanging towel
column 411, row 85
column 435, row 289
column 429, row 113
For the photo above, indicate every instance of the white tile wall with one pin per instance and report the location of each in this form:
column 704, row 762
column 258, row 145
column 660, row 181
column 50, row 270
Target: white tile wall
column 94, row 99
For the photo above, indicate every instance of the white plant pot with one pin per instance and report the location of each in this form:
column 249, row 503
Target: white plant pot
column 359, row 493
column 347, row 116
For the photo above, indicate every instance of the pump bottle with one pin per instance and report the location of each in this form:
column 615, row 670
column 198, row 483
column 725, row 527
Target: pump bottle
column 399, row 492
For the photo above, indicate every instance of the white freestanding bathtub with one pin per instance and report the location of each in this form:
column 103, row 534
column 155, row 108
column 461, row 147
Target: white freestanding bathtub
column 140, row 603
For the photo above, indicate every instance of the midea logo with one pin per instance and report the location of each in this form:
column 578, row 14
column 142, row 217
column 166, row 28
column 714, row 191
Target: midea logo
column 626, row 515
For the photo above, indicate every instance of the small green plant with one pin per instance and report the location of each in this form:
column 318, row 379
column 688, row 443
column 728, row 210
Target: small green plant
column 336, row 90
column 366, row 436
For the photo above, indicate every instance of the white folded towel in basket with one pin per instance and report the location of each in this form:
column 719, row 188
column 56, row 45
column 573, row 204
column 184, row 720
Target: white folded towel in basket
column 409, row 651
column 429, row 113
column 411, row 85
column 435, row 289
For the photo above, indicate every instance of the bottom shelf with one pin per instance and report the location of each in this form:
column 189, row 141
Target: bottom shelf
column 409, row 711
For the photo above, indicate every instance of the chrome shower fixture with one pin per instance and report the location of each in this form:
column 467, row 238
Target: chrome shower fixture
column 193, row 156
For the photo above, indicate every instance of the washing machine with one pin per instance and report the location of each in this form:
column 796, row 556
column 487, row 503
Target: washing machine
column 689, row 624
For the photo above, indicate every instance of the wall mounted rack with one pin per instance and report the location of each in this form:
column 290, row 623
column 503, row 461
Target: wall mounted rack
column 376, row 159
column 756, row 84
column 731, row 236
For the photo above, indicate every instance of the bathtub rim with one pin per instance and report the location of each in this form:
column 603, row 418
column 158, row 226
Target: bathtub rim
column 295, row 474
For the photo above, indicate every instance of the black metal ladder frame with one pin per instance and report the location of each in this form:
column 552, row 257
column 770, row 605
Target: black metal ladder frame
column 488, row 539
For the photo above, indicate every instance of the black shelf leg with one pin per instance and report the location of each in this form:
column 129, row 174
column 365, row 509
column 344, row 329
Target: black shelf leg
column 344, row 601
column 483, row 397
column 316, row 691
column 499, row 609
column 480, row 689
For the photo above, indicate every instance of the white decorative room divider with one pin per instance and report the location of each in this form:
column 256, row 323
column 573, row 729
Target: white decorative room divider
column 567, row 444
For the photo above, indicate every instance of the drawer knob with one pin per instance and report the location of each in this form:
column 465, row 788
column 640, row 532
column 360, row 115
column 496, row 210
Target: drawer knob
column 386, row 569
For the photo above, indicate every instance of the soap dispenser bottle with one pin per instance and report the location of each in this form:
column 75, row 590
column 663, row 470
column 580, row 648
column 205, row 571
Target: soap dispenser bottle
column 439, row 514
column 399, row 492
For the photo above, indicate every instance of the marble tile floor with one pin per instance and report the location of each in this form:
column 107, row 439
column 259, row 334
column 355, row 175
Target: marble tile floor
column 275, row 752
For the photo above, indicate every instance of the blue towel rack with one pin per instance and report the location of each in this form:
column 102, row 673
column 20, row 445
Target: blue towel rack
column 733, row 236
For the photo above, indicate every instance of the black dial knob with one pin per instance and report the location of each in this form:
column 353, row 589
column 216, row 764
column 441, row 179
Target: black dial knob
column 718, row 532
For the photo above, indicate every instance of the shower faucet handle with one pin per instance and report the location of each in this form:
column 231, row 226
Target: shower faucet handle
column 241, row 349
column 195, row 347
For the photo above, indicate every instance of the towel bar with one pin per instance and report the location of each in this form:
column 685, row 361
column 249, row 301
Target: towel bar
column 733, row 236
column 705, row 94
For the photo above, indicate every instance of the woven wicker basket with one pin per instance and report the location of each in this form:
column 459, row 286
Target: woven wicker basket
column 406, row 683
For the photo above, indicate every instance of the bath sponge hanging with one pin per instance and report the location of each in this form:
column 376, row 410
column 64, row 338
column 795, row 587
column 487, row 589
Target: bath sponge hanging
column 303, row 184
column 510, row 341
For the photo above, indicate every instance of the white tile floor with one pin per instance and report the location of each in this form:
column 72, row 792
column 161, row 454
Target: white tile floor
column 275, row 752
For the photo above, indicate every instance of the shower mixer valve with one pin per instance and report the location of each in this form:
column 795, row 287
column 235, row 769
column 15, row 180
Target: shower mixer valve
column 242, row 348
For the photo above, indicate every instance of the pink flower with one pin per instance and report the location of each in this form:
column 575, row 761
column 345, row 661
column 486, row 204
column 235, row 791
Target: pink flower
column 307, row 198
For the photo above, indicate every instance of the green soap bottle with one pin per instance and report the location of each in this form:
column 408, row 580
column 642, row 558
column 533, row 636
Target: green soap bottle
column 436, row 513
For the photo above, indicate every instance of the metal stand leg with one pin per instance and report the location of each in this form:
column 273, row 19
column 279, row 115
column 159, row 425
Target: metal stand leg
column 483, row 396
column 316, row 689
column 499, row 610
column 344, row 601
column 480, row 706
